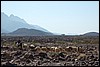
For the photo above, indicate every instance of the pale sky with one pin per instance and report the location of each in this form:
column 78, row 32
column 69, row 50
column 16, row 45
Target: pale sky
column 65, row 17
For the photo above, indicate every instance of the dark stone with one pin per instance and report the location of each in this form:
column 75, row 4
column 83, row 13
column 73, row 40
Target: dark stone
column 9, row 64
column 61, row 54
column 42, row 54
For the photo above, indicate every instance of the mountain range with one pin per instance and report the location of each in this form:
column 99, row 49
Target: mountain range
column 15, row 26
column 12, row 23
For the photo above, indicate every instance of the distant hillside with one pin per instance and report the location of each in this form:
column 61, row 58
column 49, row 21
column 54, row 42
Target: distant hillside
column 4, row 31
column 12, row 23
column 91, row 34
column 27, row 32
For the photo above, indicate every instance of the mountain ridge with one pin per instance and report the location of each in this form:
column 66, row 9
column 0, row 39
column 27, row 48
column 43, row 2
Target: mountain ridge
column 27, row 32
column 91, row 34
column 12, row 23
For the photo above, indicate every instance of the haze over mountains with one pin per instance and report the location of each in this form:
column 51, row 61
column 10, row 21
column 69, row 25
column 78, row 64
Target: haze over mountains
column 12, row 23
column 15, row 26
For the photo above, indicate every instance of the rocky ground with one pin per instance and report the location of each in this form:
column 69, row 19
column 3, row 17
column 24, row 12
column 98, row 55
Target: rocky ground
column 13, row 56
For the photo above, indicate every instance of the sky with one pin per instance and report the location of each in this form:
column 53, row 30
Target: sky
column 64, row 17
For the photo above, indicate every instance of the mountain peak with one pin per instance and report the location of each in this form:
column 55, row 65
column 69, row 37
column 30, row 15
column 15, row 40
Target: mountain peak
column 16, row 18
column 3, row 15
column 11, row 15
column 13, row 22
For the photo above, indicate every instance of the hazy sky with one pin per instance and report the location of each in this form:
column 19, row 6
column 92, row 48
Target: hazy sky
column 67, row 17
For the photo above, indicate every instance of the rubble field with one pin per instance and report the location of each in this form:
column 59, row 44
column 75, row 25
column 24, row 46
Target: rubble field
column 50, row 51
